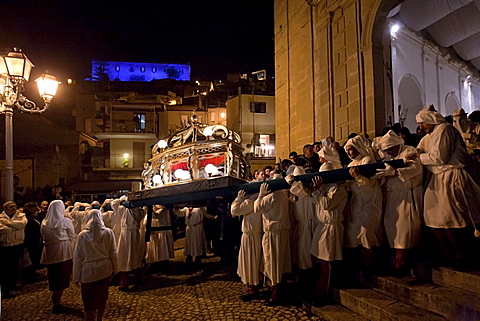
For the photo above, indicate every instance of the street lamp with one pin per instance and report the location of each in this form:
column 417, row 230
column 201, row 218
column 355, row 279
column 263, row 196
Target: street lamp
column 15, row 69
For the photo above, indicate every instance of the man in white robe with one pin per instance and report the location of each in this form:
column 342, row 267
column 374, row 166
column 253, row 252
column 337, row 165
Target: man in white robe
column 160, row 248
column 452, row 197
column 12, row 233
column 110, row 219
column 404, row 203
column 362, row 224
column 274, row 209
column 130, row 244
column 304, row 212
column 250, row 254
column 195, row 240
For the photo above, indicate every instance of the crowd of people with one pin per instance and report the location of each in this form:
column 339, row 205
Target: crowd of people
column 310, row 229
column 304, row 233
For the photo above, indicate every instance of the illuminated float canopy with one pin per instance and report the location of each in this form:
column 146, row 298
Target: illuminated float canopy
column 195, row 152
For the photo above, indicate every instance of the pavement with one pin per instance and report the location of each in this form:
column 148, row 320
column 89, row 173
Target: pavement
column 207, row 291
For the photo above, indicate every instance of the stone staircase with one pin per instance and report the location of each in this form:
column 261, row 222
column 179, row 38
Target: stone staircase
column 450, row 295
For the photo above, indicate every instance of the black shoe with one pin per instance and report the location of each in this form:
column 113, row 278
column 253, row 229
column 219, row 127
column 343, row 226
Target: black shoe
column 123, row 289
column 57, row 309
column 249, row 297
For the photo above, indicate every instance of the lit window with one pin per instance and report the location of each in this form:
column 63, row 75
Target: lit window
column 154, row 69
column 142, row 69
column 117, row 68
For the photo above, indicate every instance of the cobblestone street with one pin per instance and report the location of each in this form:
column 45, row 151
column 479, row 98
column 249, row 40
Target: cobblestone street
column 208, row 292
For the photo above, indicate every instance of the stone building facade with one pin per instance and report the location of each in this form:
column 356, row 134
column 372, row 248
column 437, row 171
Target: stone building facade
column 331, row 80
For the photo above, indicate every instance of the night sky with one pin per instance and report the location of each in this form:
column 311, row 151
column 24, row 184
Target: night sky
column 214, row 36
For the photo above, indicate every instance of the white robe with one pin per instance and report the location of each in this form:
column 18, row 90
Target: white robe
column 404, row 203
column 160, row 247
column 304, row 213
column 274, row 208
column 452, row 197
column 362, row 224
column 250, row 255
column 114, row 222
column 78, row 218
column 327, row 240
column 58, row 243
column 195, row 241
column 95, row 255
column 130, row 244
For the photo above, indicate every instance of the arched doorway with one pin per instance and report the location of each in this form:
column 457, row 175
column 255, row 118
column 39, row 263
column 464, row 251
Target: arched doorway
column 409, row 101
column 451, row 103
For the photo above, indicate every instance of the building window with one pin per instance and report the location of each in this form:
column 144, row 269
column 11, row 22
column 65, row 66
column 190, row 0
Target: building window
column 117, row 68
column 213, row 117
column 154, row 69
column 184, row 120
column 265, row 145
column 258, row 107
column 131, row 69
column 142, row 69
column 139, row 121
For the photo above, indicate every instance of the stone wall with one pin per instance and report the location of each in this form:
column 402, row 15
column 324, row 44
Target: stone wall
column 330, row 75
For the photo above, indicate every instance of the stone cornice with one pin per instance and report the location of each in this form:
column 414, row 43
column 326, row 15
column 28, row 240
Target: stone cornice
column 315, row 3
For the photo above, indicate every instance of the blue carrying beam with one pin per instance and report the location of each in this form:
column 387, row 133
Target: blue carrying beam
column 228, row 187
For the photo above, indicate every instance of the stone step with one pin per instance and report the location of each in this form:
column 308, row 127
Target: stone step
column 450, row 302
column 468, row 281
column 376, row 306
column 333, row 313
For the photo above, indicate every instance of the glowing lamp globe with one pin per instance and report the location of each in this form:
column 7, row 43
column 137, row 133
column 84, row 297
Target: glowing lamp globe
column 47, row 86
column 208, row 131
column 157, row 179
column 211, row 169
column 18, row 65
column 162, row 144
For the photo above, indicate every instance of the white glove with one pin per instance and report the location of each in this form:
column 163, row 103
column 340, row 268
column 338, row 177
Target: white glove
column 388, row 171
column 241, row 194
column 263, row 190
column 289, row 179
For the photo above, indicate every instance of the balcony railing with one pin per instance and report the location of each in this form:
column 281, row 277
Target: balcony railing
column 101, row 125
column 120, row 161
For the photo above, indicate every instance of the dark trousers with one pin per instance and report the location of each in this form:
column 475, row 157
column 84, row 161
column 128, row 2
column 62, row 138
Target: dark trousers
column 9, row 266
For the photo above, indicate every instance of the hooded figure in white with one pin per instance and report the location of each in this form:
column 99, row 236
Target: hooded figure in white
column 329, row 155
column 304, row 212
column 451, row 197
column 329, row 200
column 250, row 254
column 404, row 203
column 274, row 209
column 95, row 260
column 96, row 252
column 58, row 234
column 366, row 204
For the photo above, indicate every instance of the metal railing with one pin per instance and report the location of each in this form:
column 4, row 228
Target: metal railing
column 120, row 161
column 100, row 125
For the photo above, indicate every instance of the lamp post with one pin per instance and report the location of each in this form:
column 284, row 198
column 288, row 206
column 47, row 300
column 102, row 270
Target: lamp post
column 15, row 70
